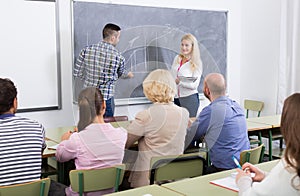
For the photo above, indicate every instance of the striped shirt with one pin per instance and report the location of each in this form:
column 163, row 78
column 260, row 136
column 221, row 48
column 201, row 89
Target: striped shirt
column 100, row 65
column 21, row 144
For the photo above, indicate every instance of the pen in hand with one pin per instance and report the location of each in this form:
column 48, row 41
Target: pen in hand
column 246, row 170
column 236, row 162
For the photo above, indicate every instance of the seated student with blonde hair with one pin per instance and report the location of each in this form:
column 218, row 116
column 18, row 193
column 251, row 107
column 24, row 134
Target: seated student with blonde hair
column 160, row 130
column 96, row 144
column 284, row 178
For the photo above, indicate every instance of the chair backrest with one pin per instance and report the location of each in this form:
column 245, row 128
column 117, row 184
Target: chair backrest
column 96, row 179
column 254, row 155
column 176, row 167
column 34, row 188
column 115, row 119
column 252, row 105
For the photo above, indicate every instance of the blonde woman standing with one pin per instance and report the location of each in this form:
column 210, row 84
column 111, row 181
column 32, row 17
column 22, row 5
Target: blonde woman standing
column 187, row 71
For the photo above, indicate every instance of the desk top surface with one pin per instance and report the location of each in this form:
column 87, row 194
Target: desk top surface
column 49, row 152
column 255, row 126
column 148, row 191
column 197, row 185
column 274, row 120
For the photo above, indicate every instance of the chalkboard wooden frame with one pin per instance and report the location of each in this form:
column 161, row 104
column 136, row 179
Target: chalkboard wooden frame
column 90, row 17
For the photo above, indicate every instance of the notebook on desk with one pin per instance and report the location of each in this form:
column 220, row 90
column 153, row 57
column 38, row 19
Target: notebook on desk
column 227, row 183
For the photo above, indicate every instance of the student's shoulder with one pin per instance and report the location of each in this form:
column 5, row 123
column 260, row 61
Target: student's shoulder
column 144, row 117
column 94, row 46
column 28, row 121
column 206, row 110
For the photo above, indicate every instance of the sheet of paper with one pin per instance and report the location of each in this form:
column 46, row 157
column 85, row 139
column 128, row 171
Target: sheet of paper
column 184, row 79
column 54, row 147
column 227, row 182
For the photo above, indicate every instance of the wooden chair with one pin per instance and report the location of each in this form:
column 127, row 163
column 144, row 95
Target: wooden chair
column 253, row 156
column 115, row 119
column 34, row 188
column 96, row 179
column 255, row 106
column 274, row 134
column 199, row 146
column 252, row 105
column 176, row 167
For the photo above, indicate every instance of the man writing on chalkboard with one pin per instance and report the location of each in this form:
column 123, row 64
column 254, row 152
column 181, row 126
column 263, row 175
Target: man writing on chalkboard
column 101, row 65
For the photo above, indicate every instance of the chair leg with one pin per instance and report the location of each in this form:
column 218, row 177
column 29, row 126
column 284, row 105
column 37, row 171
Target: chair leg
column 42, row 190
column 281, row 143
column 208, row 159
column 117, row 179
column 80, row 183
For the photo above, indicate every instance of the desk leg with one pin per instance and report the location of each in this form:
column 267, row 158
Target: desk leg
column 260, row 138
column 44, row 168
column 270, row 145
column 61, row 172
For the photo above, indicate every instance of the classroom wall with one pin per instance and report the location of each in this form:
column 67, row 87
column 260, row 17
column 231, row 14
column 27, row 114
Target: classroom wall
column 260, row 52
column 246, row 26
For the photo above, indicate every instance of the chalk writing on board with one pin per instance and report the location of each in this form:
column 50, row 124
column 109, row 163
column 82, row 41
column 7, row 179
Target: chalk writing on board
column 150, row 38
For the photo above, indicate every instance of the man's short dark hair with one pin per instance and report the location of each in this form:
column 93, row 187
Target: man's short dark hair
column 8, row 93
column 109, row 30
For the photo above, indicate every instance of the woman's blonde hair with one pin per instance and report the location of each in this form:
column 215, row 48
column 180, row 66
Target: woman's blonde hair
column 159, row 86
column 195, row 61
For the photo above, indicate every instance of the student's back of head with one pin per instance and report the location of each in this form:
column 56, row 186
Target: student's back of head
column 8, row 93
column 91, row 104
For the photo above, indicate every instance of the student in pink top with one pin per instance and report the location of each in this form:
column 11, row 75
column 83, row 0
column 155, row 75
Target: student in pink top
column 96, row 144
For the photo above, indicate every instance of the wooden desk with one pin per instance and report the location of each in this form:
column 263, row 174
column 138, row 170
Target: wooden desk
column 55, row 134
column 274, row 122
column 49, row 152
column 53, row 137
column 152, row 190
column 123, row 124
column 46, row 168
column 201, row 186
column 256, row 129
column 254, row 126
